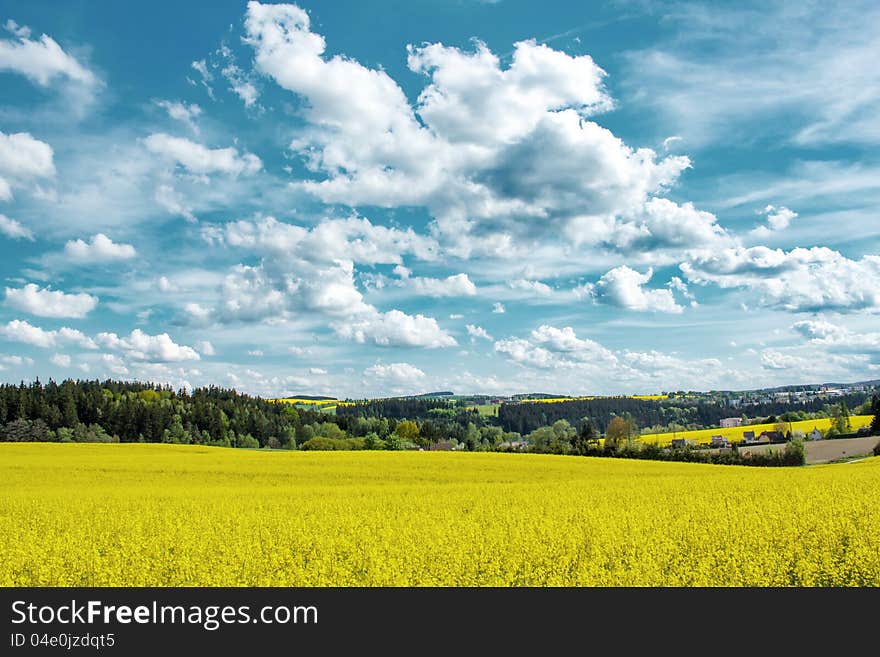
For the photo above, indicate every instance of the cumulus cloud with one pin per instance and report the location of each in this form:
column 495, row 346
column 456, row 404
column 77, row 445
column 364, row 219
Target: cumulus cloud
column 21, row 331
column 312, row 270
column 551, row 347
column 16, row 361
column 623, row 287
column 539, row 167
column 477, row 332
column 23, row 159
column 198, row 312
column 151, row 348
column 772, row 359
column 205, row 348
column 41, row 60
column 400, row 373
column 532, row 287
column 778, row 218
column 13, row 229
column 199, row 159
column 798, row 280
column 99, row 249
column 353, row 238
column 557, row 354
column 44, row 302
column 396, row 328
column 833, row 337
column 61, row 360
column 498, row 307
column 458, row 285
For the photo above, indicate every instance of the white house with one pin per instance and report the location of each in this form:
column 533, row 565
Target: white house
column 729, row 422
column 815, row 434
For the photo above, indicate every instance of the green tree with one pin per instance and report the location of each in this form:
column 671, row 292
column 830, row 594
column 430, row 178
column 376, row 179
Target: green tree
column 875, row 409
column 841, row 421
column 407, row 430
column 586, row 438
column 176, row 434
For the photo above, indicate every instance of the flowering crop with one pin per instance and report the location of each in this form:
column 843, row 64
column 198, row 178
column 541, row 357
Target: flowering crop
column 167, row 515
column 735, row 434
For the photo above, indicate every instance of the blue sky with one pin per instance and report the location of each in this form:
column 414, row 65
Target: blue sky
column 368, row 199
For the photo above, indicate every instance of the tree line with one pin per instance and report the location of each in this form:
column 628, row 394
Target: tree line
column 117, row 411
column 525, row 417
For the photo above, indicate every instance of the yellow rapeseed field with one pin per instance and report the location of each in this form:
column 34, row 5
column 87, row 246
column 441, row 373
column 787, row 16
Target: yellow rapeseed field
column 735, row 434
column 164, row 515
column 558, row 400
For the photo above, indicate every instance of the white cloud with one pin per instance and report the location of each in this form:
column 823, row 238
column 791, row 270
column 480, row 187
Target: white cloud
column 41, row 61
column 498, row 307
column 317, row 371
column 167, row 197
column 395, row 328
column 400, row 373
column 200, row 66
column 61, row 360
column 493, row 186
column 833, row 337
column 16, row 361
column 164, row 284
column 533, row 287
column 549, row 347
column 623, row 287
column 99, row 249
column 552, row 356
column 151, row 348
column 240, row 82
column 798, row 280
column 458, row 285
column 353, row 238
column 44, row 302
column 524, row 352
column 772, row 359
column 255, row 352
column 22, row 160
column 13, row 229
column 778, row 218
column 199, row 159
column 477, row 332
column 205, row 348
column 186, row 114
column 114, row 364
column 467, row 87
column 198, row 312
column 21, row 331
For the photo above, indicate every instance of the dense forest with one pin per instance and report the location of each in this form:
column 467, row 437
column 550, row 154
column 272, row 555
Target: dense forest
column 116, row 411
column 526, row 417
column 111, row 411
column 412, row 408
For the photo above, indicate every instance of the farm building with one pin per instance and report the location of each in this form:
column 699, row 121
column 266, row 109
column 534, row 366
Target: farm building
column 815, row 434
column 719, row 441
column 730, row 422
